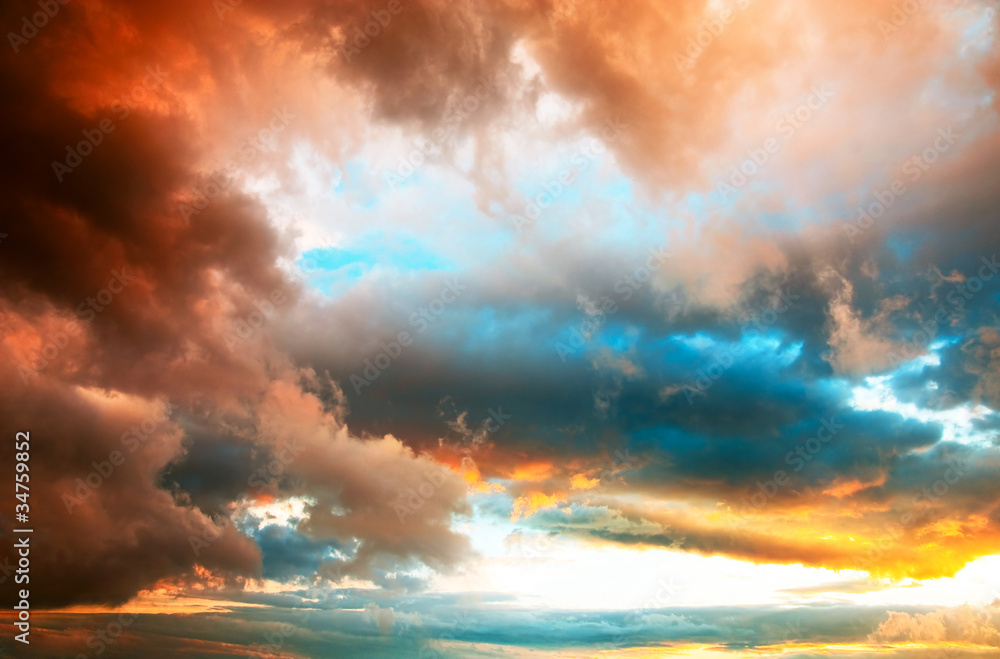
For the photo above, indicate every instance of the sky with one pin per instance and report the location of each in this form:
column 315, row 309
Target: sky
column 502, row 328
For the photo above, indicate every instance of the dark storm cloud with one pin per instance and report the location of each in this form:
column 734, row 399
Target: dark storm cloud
column 109, row 229
column 288, row 554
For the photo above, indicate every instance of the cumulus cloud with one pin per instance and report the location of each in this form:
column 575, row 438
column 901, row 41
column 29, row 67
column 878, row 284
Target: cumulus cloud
column 963, row 623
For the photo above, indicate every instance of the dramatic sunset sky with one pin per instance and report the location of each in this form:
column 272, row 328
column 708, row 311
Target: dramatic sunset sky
column 503, row 328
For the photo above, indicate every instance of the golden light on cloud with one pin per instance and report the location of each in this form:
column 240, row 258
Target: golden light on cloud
column 529, row 504
column 847, row 488
column 471, row 475
column 581, row 482
column 534, row 471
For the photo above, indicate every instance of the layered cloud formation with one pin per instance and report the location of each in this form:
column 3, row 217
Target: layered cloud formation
column 385, row 311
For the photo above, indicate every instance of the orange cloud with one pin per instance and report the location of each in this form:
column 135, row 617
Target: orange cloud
column 846, row 488
column 529, row 504
column 471, row 475
column 533, row 471
column 581, row 482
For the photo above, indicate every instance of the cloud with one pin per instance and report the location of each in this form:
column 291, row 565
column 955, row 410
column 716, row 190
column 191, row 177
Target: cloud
column 379, row 504
column 860, row 345
column 959, row 624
